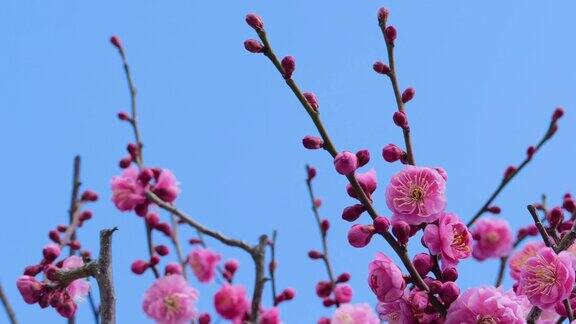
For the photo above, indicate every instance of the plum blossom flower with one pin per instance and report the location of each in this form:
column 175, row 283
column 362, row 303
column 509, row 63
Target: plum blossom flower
column 492, row 238
column 127, row 191
column 30, row 289
column 450, row 239
column 77, row 289
column 203, row 262
column 367, row 181
column 166, row 186
column 397, row 312
column 171, row 301
column 385, row 279
column 518, row 259
column 270, row 316
column 486, row 305
column 416, row 195
column 343, row 293
column 354, row 314
column 547, row 278
column 231, row 302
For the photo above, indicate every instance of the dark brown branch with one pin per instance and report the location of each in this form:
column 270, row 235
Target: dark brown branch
column 533, row 315
column 272, row 267
column 177, row 246
column 150, row 247
column 504, row 261
column 8, row 307
column 540, row 227
column 259, row 257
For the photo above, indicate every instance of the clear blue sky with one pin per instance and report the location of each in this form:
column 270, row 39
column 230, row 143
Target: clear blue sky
column 487, row 77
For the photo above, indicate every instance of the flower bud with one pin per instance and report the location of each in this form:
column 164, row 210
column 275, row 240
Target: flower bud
column 89, row 195
column 449, row 292
column 253, row 46
column 288, row 293
column 510, row 170
column 312, row 142
column 363, row 157
column 162, row 250
column 164, row 228
column 555, row 216
column 450, row 274
column 346, row 163
column 115, row 40
column 288, row 65
column 194, row 241
column 67, row 309
column 383, row 14
column 401, row 230
column 314, row 255
column 51, row 252
column 123, row 116
column 54, row 236
column 423, row 263
column 154, row 260
column 173, row 268
column 204, row 318
column 145, row 176
column 360, row 235
column 325, row 225
column 400, row 119
column 408, row 95
column 30, row 289
column 33, row 270
column 381, row 224
column 323, row 289
column 254, row 21
column 85, row 215
column 381, row 68
column 75, row 245
column 324, row 320
column 125, row 162
column 558, row 113
column 532, row 230
column 494, row 210
column 310, row 173
column 317, row 202
column 61, row 228
column 51, row 272
column 231, row 265
column 351, row 213
column 569, row 204
column 343, row 293
column 390, row 34
column 343, row 277
column 139, row 266
column 392, row 153
column 312, row 100
column 530, row 151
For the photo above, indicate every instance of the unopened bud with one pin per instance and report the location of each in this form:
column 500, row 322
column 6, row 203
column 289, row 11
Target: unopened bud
column 89, row 195
column 408, row 95
column 343, row 277
column 363, row 157
column 392, row 153
column 346, row 163
column 381, row 224
column 360, row 235
column 173, row 268
column 400, row 119
column 381, row 68
column 254, row 21
column 390, row 33
column 401, row 230
column 314, row 255
column 509, row 172
column 558, row 113
column 162, row 250
column 253, row 46
column 494, row 210
column 288, row 65
column 325, row 225
column 423, row 263
column 383, row 14
column 312, row 100
column 115, row 40
column 312, row 142
column 530, row 151
column 351, row 213
column 139, row 266
column 51, row 252
column 310, row 172
column 450, row 274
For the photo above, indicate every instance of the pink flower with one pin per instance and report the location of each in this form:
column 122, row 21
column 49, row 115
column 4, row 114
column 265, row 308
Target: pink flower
column 231, row 302
column 547, row 278
column 127, row 191
column 398, row 312
column 492, row 238
column 30, row 289
column 385, row 279
column 450, row 239
column 343, row 293
column 486, row 305
column 77, row 289
column 354, row 314
column 367, row 181
column 518, row 260
column 166, row 186
column 171, row 301
column 346, row 163
column 203, row 262
column 416, row 195
column 270, row 316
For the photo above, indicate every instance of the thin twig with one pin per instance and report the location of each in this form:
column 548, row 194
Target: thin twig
column 272, row 267
column 540, row 227
column 94, row 308
column 177, row 246
column 8, row 307
column 74, row 205
column 504, row 261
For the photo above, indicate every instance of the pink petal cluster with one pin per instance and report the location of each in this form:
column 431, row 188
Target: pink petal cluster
column 385, row 279
column 171, row 301
column 203, row 262
column 518, row 259
column 416, row 195
column 367, row 181
column 166, row 186
column 397, row 312
column 270, row 316
column 450, row 239
column 231, row 302
column 30, row 289
column 79, row 288
column 354, row 314
column 547, row 278
column 343, row 293
column 127, row 191
column 486, row 305
column 492, row 238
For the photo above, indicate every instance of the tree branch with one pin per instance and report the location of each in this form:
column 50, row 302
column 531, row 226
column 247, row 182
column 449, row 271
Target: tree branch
column 8, row 307
column 272, row 267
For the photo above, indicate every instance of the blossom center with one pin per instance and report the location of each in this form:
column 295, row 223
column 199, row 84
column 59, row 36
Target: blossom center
column 486, row 319
column 459, row 241
column 492, row 237
column 417, row 193
column 172, row 304
column 542, row 278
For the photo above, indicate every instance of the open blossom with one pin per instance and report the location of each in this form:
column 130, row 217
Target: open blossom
column 385, row 279
column 492, row 238
column 166, row 186
column 518, row 259
column 343, row 293
column 203, row 262
column 486, row 305
column 354, row 314
column 171, row 301
column 450, row 239
column 397, row 312
column 77, row 289
column 127, row 191
column 547, row 278
column 367, row 181
column 416, row 195
column 231, row 302
column 270, row 316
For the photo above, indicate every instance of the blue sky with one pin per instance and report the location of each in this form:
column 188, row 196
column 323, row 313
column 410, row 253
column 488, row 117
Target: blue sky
column 487, row 77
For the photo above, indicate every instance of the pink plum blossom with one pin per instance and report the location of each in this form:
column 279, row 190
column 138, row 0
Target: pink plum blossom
column 354, row 314
column 492, row 238
column 518, row 259
column 231, row 302
column 547, row 278
column 343, row 293
column 270, row 316
column 77, row 289
column 416, row 195
column 127, row 191
column 397, row 312
column 367, row 181
column 450, row 239
column 385, row 279
column 486, row 305
column 171, row 301
column 166, row 186
column 203, row 262
column 30, row 289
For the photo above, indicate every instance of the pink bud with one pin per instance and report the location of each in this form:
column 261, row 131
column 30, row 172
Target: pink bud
column 323, row 289
column 139, row 266
column 555, row 216
column 381, row 68
column 204, row 318
column 327, row 302
column 449, row 292
column 51, row 252
column 494, row 210
column 89, row 195
column 317, row 202
column 558, row 113
column 363, row 157
column 408, row 95
column 30, row 289
column 450, row 274
column 510, row 170
column 152, row 219
column 162, row 250
column 145, row 176
column 343, row 277
column 312, row 142
column 313, row 254
column 85, row 215
column 115, row 40
column 360, row 235
column 67, row 309
column 423, row 263
column 51, row 272
column 324, row 320
column 569, row 204
column 289, row 65
column 310, row 172
column 62, row 228
column 33, row 270
column 231, row 265
column 253, row 46
column 401, row 230
column 272, row 266
column 312, row 100
column 54, row 236
column 383, row 14
column 567, row 195
column 154, row 260
column 74, row 245
column 343, row 293
column 254, row 21
column 346, row 163
column 125, row 162
column 381, row 224
column 194, row 241
column 173, row 268
column 288, row 293
column 390, row 33
column 351, row 213
column 392, row 153
column 532, row 230
column 164, row 228
column 565, row 226
column 530, row 151
column 123, row 116
column 400, row 119
column 325, row 225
